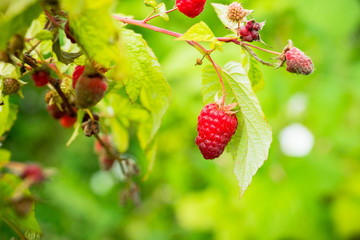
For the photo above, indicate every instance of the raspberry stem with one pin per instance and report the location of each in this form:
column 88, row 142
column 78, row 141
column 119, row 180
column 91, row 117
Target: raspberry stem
column 221, row 80
column 148, row 18
column 109, row 152
column 90, row 115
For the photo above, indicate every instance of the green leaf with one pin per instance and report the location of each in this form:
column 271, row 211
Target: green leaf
column 86, row 19
column 150, row 3
column 8, row 114
column 17, row 18
column 64, row 57
column 199, row 32
column 148, row 82
column 27, row 225
column 161, row 10
column 251, row 142
column 44, row 35
column 4, row 157
column 256, row 76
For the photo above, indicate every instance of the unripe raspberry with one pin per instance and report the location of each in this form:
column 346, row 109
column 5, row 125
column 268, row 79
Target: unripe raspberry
column 90, row 89
column 249, row 25
column 68, row 33
column 41, row 78
column 5, row 57
column 55, row 111
column 298, row 62
column 76, row 74
column 67, row 121
column 10, row 86
column 236, row 12
column 244, row 32
column 216, row 126
column 33, row 172
column 190, row 8
column 16, row 44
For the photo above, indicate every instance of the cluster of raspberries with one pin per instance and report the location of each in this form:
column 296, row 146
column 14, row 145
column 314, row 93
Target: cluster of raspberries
column 250, row 32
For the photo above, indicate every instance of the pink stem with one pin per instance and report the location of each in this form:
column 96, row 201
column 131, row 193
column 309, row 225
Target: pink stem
column 149, row 18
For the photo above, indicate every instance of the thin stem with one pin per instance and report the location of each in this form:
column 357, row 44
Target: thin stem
column 33, row 47
column 221, row 80
column 13, row 227
column 147, row 18
column 262, row 49
column 157, row 15
column 110, row 153
column 55, row 85
column 90, row 115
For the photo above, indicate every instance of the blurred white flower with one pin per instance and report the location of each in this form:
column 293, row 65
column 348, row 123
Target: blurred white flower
column 296, row 140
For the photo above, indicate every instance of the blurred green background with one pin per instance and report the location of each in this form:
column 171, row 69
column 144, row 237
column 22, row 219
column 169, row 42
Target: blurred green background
column 299, row 193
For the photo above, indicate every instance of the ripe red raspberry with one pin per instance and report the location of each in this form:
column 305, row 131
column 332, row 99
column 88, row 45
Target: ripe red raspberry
column 76, row 74
column 216, row 126
column 67, row 121
column 249, row 25
column 68, row 33
column 10, row 86
column 236, row 12
column 55, row 111
column 41, row 78
column 298, row 62
column 190, row 8
column 256, row 26
column 244, row 32
column 33, row 172
column 90, row 89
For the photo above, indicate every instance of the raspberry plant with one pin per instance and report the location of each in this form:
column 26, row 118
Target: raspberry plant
column 99, row 82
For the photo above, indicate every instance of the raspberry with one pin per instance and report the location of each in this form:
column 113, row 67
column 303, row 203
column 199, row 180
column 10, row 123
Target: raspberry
column 248, row 38
column 55, row 111
column 216, row 126
column 236, row 12
column 90, row 89
column 254, row 34
column 76, row 74
column 190, row 8
column 298, row 62
column 249, row 25
column 106, row 162
column 67, row 121
column 256, row 26
column 33, row 172
column 41, row 78
column 10, row 86
column 68, row 33
column 244, row 32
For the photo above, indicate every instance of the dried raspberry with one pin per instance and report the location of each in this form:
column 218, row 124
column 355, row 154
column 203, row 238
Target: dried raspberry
column 55, row 111
column 256, row 26
column 249, row 25
column 244, row 32
column 67, row 121
column 298, row 62
column 89, row 90
column 190, row 8
column 76, row 74
column 248, row 38
column 33, row 172
column 216, row 126
column 16, row 44
column 41, row 78
column 10, row 86
column 254, row 34
column 5, row 57
column 236, row 12
column 68, row 33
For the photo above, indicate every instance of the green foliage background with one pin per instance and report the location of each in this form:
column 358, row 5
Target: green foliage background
column 186, row 197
